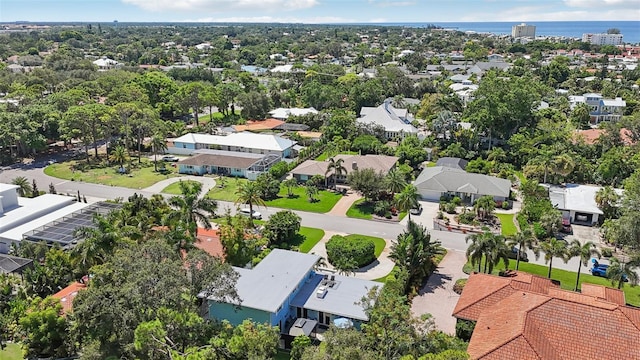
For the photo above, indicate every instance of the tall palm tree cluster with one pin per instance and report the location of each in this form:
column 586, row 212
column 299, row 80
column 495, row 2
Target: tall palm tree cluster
column 414, row 252
column 487, row 250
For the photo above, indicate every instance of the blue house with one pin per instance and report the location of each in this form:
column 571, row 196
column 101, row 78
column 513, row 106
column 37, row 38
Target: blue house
column 284, row 290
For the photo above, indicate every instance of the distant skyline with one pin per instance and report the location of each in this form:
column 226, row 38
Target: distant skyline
column 318, row 11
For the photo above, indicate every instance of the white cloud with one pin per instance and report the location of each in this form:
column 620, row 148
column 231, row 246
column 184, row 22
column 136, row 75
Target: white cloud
column 271, row 19
column 544, row 13
column 220, row 5
column 628, row 4
column 391, row 3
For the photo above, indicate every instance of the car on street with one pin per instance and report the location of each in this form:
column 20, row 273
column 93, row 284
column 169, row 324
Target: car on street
column 513, row 254
column 246, row 212
column 598, row 269
column 170, row 158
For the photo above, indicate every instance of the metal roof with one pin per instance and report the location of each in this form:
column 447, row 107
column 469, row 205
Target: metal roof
column 13, row 264
column 61, row 231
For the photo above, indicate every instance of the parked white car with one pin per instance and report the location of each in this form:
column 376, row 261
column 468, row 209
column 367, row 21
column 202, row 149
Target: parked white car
column 245, row 211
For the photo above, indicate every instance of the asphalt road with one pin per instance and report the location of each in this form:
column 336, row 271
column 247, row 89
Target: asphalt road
column 450, row 240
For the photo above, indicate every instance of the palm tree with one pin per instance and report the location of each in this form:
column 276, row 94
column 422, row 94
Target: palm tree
column 414, row 251
column 524, row 240
column 248, row 193
column 97, row 242
column 619, row 271
column 119, row 155
column 407, row 199
column 395, row 181
column 485, row 206
column 338, row 169
column 585, row 252
column 489, row 246
column 551, row 221
column 290, row 184
column 24, row 186
column 311, row 191
column 158, row 144
column 189, row 210
column 553, row 248
column 607, row 201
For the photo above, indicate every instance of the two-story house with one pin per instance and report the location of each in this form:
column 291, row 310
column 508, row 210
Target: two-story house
column 285, row 290
column 396, row 122
column 600, row 109
column 245, row 142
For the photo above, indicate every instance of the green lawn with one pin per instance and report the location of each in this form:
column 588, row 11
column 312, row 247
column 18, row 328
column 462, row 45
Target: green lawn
column 228, row 191
column 363, row 210
column 310, row 237
column 174, row 188
column 282, row 355
column 567, row 278
column 360, row 210
column 11, row 352
column 508, row 227
column 324, row 156
column 299, row 201
column 386, row 277
column 138, row 178
column 520, row 176
column 379, row 242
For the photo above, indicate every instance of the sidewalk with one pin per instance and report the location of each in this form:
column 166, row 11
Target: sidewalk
column 341, row 207
column 437, row 297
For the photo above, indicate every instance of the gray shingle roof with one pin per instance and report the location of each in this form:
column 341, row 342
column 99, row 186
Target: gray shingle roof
column 452, row 162
column 268, row 285
column 446, row 179
column 388, row 117
column 379, row 163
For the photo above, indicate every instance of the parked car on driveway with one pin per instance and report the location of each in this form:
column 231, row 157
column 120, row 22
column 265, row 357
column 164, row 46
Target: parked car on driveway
column 170, row 158
column 246, row 212
column 513, row 254
column 416, row 210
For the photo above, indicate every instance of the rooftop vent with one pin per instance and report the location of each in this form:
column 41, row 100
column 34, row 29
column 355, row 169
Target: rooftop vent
column 322, row 291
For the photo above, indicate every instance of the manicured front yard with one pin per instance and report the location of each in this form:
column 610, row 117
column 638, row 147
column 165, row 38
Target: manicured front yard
column 324, row 156
column 310, row 237
column 226, row 188
column 138, row 178
column 508, row 227
column 364, row 210
column 325, row 200
column 11, row 352
column 567, row 278
column 174, row 188
column 379, row 242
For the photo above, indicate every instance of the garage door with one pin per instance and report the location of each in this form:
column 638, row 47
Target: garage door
column 430, row 195
column 4, row 248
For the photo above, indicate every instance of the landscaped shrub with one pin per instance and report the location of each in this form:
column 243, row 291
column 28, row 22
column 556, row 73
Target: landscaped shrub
column 606, row 252
column 505, row 205
column 440, row 215
column 467, row 218
column 456, row 201
column 459, row 286
column 450, row 208
column 356, row 251
column 539, row 231
column 464, row 329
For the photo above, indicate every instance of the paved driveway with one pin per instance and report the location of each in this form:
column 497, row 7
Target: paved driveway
column 437, row 297
column 429, row 212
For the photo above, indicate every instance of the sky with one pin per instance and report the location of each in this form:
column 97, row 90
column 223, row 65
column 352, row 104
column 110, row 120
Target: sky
column 318, row 11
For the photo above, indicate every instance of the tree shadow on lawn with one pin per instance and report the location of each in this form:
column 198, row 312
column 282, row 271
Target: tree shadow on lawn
column 435, row 281
column 366, row 268
column 365, row 207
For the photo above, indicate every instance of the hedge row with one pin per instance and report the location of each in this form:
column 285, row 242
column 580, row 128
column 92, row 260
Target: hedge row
column 357, row 251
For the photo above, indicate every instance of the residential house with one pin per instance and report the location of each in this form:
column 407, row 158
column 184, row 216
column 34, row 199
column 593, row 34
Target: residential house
column 259, row 125
column 105, row 63
column 227, row 163
column 69, row 293
column 13, row 264
column 435, row 182
column 600, row 109
column 245, row 142
column 452, row 162
column 591, row 136
column 285, row 290
column 284, row 113
column 396, row 122
column 379, row 164
column 529, row 317
column 577, row 202
column 481, row 67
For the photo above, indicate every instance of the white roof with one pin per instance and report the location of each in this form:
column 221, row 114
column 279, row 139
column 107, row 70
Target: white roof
column 242, row 139
column 16, row 233
column 388, row 117
column 614, row 102
column 574, row 197
column 32, row 208
column 282, row 68
column 105, row 62
column 284, row 113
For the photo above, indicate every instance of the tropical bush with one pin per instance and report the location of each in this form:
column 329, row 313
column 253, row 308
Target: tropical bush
column 356, row 251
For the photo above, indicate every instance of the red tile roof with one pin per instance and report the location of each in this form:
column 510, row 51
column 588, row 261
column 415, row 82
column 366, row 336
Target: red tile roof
column 557, row 325
column 590, row 136
column 209, row 242
column 67, row 295
column 257, row 125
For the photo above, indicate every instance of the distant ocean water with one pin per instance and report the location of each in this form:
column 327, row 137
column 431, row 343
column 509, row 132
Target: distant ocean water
column 574, row 29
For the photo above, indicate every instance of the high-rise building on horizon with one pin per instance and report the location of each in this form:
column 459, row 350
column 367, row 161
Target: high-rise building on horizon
column 602, row 39
column 523, row 30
